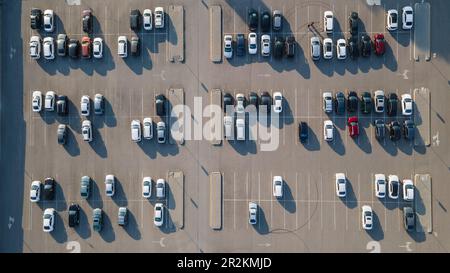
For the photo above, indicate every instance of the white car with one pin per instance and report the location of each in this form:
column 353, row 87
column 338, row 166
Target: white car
column 341, row 185
column 315, row 48
column 49, row 24
column 277, row 102
column 49, row 103
column 407, row 105
column 110, row 185
column 85, row 105
column 36, row 102
column 265, row 45
column 228, row 46
column 407, row 17
column 160, row 188
column 147, row 15
column 328, row 129
column 35, row 191
column 408, row 190
column 135, row 130
column 240, row 128
column 394, row 186
column 228, row 126
column 379, row 101
column 252, row 213
column 392, row 20
column 48, row 48
column 380, row 185
column 97, row 48
column 367, row 217
column 35, row 47
column 86, row 130
column 148, row 128
column 252, row 43
column 158, row 218
column 328, row 21
column 159, row 17
column 48, row 220
column 147, row 187
column 327, row 48
column 277, row 186
column 341, row 49
column 327, row 104
column 240, row 103
column 161, row 132
column 122, row 46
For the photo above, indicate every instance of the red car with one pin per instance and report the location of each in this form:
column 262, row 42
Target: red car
column 353, row 127
column 379, row 44
column 86, row 47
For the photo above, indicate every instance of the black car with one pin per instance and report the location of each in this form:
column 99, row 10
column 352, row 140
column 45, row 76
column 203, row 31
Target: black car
column 366, row 103
column 252, row 20
column 253, row 99
column 339, row 103
column 61, row 105
column 74, row 215
column 86, row 18
column 392, row 102
column 409, row 218
column 160, row 102
column 61, row 45
column 352, row 101
column 265, row 21
column 227, row 100
column 62, row 134
column 290, row 46
column 49, row 188
column 266, row 100
column 353, row 23
column 135, row 46
column 408, row 129
column 379, row 129
column 278, row 47
column 394, row 131
column 352, row 45
column 240, row 44
column 303, row 131
column 365, row 45
column 73, row 48
column 35, row 18
column 135, row 19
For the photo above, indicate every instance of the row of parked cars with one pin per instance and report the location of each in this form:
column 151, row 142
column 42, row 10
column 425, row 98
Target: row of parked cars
column 85, row 189
column 281, row 46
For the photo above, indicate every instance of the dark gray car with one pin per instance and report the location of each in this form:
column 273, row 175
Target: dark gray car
column 99, row 104
column 379, row 129
column 135, row 46
column 409, row 218
column 97, row 219
column 85, row 187
column 339, row 102
column 408, row 129
column 61, row 45
column 62, row 134
column 240, row 44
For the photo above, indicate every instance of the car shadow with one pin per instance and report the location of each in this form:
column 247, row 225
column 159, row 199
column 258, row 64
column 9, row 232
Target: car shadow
column 350, row 199
column 71, row 145
column 337, row 145
column 83, row 229
column 406, row 146
column 168, row 226
column 288, row 202
column 171, row 202
column 109, row 116
column 312, row 144
column 61, row 204
column 132, row 228
column 376, row 233
column 106, row 63
column 59, row 233
column 95, row 199
column 262, row 227
column 119, row 197
column 97, row 143
column 107, row 232
column 134, row 62
column 390, row 62
column 363, row 141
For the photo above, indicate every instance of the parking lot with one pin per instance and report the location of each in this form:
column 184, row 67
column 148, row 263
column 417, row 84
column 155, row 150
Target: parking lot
column 309, row 217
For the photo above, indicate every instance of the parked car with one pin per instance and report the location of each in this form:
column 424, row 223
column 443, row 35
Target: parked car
column 277, row 20
column 147, row 187
column 252, row 213
column 228, row 46
column 328, row 129
column 35, row 18
column 85, row 104
column 86, row 19
column 85, row 187
column 339, row 103
column 365, row 45
column 353, row 23
column 97, row 220
column 110, row 185
column 278, row 102
column 148, row 128
column 392, row 104
column 49, row 48
column 379, row 44
column 303, row 131
column 135, row 19
column 228, row 127
column 99, row 104
column 240, row 44
column 240, row 128
column 61, row 105
column 315, row 48
column 61, row 45
column 328, row 21
column 161, row 132
column 73, row 48
column 49, row 102
column 227, row 101
column 366, row 103
column 265, row 21
column 49, row 24
column 252, row 19
column 62, row 134
column 409, row 220
column 147, row 15
column 135, row 130
column 352, row 101
column 160, row 188
column 122, row 216
column 98, row 48
column 367, row 217
column 327, row 48
column 353, row 127
column 265, row 45
column 86, row 130
column 35, row 191
column 380, row 185
column 353, row 50
column 35, row 47
column 394, row 186
column 341, row 185
column 159, row 17
column 407, row 105
column 379, row 129
column 74, row 215
column 253, row 99
column 160, row 104
column 158, row 218
column 86, row 46
column 135, row 46
column 290, row 46
column 409, row 129
column 266, row 101
column 49, row 188
column 394, row 131
column 240, row 103
column 392, row 20
column 122, row 47
column 277, row 186
column 408, row 17
column 341, row 49
column 278, row 47
column 327, row 102
column 36, row 103
column 48, row 221
column 408, row 190
column 379, row 101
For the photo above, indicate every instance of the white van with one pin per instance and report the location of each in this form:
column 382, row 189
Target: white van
column 228, row 123
column 240, row 128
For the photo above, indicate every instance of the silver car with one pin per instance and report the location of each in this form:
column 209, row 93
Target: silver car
column 315, row 48
column 85, row 105
column 49, row 48
column 36, row 103
column 99, row 104
column 135, row 130
column 277, row 19
column 122, row 46
column 86, row 130
column 49, row 25
column 35, row 47
column 97, row 48
column 50, row 98
column 160, row 188
column 161, row 132
column 148, row 128
column 265, row 45
column 122, row 217
column 252, row 213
